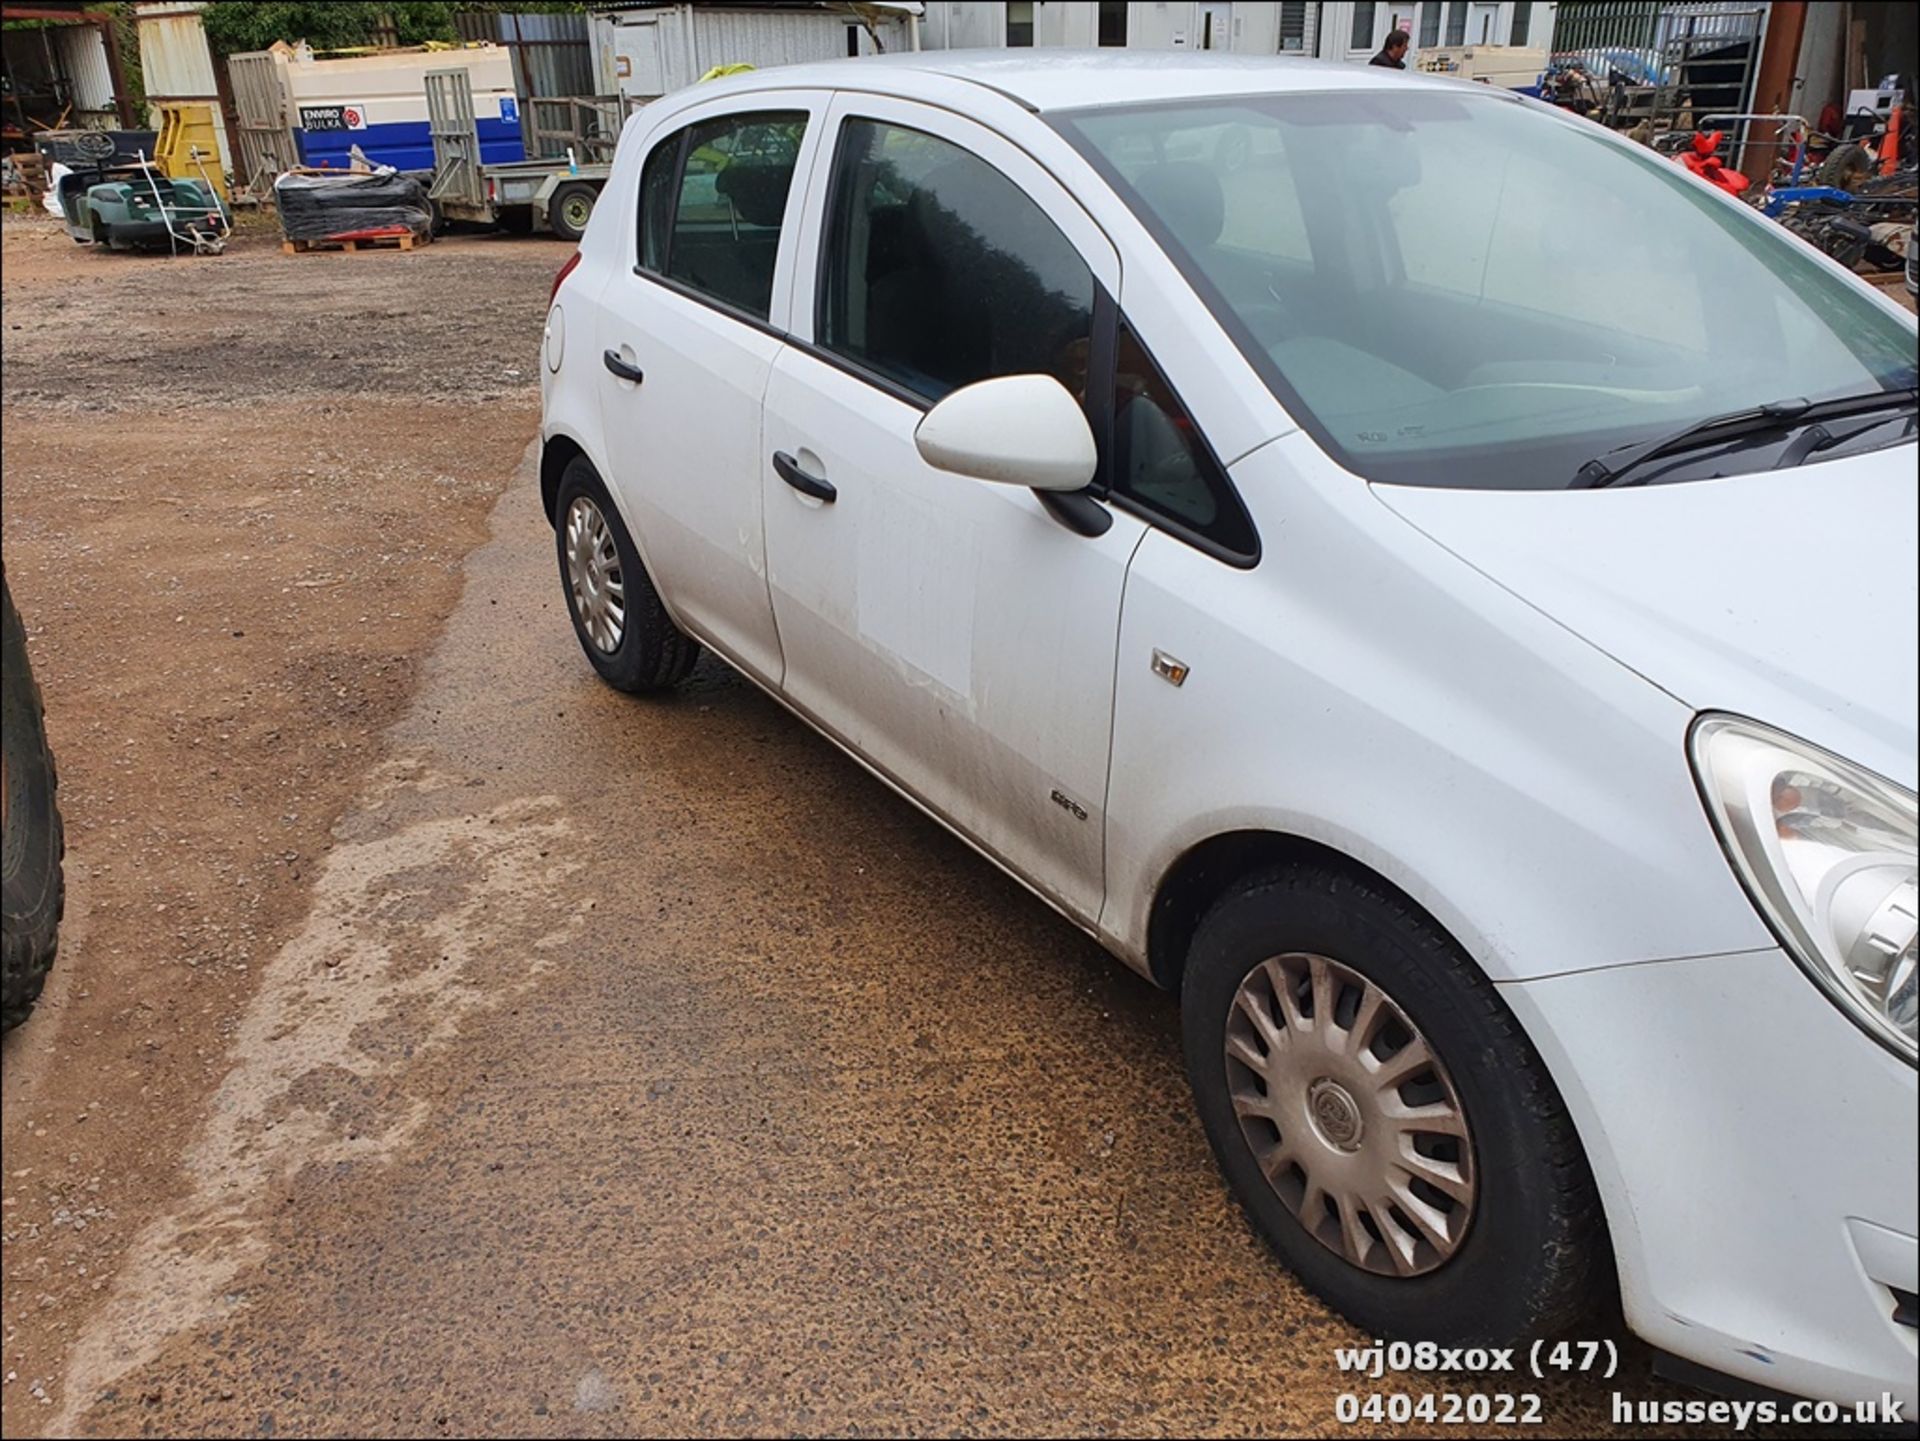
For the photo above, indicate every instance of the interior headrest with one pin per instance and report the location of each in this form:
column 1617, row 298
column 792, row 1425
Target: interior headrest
column 758, row 190
column 1187, row 197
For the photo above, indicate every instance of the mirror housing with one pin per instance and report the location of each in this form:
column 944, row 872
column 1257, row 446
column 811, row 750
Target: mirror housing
column 1013, row 430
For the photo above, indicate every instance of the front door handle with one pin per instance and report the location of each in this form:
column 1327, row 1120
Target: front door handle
column 788, row 469
column 621, row 368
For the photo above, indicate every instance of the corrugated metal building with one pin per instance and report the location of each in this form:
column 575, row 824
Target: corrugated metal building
column 644, row 51
column 552, row 54
column 59, row 71
column 82, row 55
column 177, row 64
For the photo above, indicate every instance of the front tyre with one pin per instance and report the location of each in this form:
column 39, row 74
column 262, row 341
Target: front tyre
column 32, row 890
column 1381, row 1116
column 622, row 626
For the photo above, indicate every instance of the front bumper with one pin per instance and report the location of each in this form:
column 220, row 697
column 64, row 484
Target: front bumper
column 153, row 232
column 1757, row 1158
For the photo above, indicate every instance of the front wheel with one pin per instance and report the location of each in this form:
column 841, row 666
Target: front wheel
column 617, row 614
column 1382, row 1118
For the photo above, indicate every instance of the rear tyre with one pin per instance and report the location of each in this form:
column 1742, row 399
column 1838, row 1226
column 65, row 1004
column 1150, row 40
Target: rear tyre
column 570, row 209
column 32, row 889
column 1381, row 1116
column 617, row 614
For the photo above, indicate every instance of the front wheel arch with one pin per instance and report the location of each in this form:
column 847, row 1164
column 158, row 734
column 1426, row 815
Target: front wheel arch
column 1205, row 872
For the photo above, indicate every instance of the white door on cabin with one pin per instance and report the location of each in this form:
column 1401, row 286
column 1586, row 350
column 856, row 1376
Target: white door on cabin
column 636, row 59
column 1215, row 25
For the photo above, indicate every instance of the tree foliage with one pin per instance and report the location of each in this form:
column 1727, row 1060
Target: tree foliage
column 238, row 25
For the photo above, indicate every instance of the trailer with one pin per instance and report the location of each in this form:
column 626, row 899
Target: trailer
column 556, row 195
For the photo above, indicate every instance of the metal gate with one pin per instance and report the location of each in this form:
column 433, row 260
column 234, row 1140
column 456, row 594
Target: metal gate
column 267, row 145
column 1675, row 62
column 456, row 141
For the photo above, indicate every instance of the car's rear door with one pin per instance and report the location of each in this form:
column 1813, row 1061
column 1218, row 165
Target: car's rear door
column 951, row 631
column 691, row 322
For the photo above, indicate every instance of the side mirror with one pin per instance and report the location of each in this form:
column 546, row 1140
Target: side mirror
column 1015, row 430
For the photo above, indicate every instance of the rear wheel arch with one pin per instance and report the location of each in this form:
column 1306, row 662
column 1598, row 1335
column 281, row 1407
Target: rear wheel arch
column 556, row 455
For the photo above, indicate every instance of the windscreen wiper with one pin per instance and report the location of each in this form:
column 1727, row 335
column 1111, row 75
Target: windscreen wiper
column 1779, row 415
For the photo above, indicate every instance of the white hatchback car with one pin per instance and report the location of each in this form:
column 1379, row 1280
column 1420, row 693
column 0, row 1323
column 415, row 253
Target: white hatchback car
column 1188, row 479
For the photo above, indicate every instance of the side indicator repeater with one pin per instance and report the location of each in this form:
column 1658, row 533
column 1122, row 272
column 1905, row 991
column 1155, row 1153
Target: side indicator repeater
column 1169, row 669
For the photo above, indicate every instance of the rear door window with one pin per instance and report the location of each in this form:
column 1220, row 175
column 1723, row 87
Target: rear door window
column 712, row 202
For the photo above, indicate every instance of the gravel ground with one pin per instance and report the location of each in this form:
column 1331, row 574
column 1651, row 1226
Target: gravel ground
column 454, row 323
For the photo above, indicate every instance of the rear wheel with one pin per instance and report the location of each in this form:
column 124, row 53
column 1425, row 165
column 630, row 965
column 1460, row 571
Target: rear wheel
column 32, row 890
column 1382, row 1118
column 622, row 626
column 570, row 209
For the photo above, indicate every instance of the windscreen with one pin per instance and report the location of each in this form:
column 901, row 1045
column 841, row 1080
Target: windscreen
column 1449, row 289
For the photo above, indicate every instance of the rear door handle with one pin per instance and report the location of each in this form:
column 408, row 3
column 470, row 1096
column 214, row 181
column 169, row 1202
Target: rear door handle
column 620, row 367
column 788, row 469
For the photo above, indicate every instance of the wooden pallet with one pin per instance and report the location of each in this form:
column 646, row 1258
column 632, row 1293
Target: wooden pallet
column 353, row 241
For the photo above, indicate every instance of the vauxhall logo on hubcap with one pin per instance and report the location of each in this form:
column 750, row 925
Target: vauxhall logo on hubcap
column 1336, row 1115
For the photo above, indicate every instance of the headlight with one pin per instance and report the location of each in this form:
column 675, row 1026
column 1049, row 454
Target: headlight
column 1827, row 851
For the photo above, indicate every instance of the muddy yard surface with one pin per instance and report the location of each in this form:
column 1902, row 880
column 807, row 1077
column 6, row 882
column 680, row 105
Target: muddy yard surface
column 442, row 1043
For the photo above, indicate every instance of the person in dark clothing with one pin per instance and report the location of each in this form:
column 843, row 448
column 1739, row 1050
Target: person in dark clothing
column 1393, row 54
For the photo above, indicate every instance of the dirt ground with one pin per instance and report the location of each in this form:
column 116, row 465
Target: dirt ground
column 237, row 494
column 442, row 1043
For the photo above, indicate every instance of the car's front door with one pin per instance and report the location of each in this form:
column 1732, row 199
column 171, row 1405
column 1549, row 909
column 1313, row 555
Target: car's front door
column 690, row 327
column 951, row 631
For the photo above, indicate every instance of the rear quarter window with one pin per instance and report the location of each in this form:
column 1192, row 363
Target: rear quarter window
column 713, row 201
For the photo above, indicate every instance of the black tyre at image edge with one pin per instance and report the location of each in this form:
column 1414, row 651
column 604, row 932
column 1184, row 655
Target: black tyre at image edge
column 32, row 889
column 653, row 654
column 1532, row 1260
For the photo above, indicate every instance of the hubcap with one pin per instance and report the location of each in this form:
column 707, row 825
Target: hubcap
column 593, row 576
column 1351, row 1117
column 577, row 210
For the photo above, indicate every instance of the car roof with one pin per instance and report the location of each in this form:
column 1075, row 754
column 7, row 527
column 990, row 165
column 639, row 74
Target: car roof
column 1055, row 79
